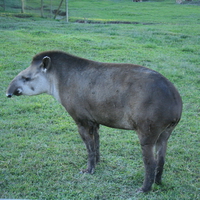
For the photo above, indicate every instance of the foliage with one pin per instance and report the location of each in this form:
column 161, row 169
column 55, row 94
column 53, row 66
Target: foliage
column 41, row 151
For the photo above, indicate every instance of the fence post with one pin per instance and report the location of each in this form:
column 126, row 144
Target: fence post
column 58, row 9
column 51, row 9
column 4, row 5
column 67, row 11
column 22, row 11
column 42, row 11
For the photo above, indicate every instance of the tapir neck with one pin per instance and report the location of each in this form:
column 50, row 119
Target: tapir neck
column 55, row 93
column 53, row 90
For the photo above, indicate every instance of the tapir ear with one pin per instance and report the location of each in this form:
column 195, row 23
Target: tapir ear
column 46, row 63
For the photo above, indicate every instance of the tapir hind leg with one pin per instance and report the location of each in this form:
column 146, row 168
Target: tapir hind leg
column 148, row 137
column 161, row 147
column 90, row 136
column 150, row 167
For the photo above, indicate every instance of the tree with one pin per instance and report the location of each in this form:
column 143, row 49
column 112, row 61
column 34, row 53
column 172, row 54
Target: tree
column 23, row 1
column 66, row 8
column 42, row 11
column 58, row 9
column 67, row 11
column 4, row 5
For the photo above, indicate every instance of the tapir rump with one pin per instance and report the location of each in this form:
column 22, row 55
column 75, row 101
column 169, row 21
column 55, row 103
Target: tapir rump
column 123, row 96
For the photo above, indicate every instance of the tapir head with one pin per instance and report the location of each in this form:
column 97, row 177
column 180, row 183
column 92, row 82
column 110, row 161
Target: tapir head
column 33, row 80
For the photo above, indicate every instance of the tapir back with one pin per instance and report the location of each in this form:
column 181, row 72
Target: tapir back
column 117, row 95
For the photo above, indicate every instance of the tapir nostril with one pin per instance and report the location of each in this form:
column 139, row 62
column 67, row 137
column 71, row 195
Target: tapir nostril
column 18, row 92
column 9, row 95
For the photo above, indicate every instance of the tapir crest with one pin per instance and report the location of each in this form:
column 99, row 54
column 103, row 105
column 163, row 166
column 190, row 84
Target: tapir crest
column 124, row 96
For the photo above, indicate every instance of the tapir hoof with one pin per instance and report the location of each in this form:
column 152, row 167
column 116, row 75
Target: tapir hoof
column 158, row 182
column 142, row 190
column 89, row 171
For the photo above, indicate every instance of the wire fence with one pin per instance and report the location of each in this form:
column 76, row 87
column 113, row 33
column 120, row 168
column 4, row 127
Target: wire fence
column 57, row 9
column 45, row 8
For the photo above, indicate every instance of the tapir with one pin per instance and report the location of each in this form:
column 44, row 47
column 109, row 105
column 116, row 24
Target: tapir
column 117, row 95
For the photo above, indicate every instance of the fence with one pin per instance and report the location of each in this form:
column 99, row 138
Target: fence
column 53, row 8
column 44, row 8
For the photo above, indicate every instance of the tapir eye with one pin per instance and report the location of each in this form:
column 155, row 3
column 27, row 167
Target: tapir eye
column 26, row 79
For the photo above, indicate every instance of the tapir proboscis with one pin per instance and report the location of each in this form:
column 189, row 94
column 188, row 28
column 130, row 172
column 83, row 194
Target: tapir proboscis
column 123, row 96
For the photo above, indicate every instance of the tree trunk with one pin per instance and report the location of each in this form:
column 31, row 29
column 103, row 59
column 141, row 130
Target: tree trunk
column 67, row 11
column 58, row 8
column 179, row 1
column 51, row 9
column 22, row 11
column 42, row 11
column 4, row 5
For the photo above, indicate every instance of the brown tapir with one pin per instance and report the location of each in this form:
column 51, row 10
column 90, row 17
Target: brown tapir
column 123, row 96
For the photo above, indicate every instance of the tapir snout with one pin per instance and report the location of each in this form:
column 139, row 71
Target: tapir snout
column 16, row 92
column 13, row 90
column 124, row 96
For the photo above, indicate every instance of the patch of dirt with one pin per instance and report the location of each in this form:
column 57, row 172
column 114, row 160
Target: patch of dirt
column 60, row 12
column 16, row 7
column 111, row 22
column 197, row 3
column 23, row 15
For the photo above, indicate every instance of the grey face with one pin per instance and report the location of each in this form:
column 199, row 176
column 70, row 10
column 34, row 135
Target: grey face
column 31, row 81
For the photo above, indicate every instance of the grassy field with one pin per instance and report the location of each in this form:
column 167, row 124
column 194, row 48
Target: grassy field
column 41, row 152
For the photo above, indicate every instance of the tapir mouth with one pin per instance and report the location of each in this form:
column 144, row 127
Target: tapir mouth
column 17, row 92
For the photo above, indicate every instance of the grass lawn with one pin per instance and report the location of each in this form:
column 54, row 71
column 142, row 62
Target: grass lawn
column 41, row 152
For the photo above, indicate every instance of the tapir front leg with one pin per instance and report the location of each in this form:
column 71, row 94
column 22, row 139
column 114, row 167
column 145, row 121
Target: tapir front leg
column 97, row 145
column 90, row 136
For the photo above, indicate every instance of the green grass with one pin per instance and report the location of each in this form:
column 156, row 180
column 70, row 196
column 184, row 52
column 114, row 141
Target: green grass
column 41, row 151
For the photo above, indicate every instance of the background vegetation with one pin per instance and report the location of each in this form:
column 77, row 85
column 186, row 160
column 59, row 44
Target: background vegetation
column 41, row 152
